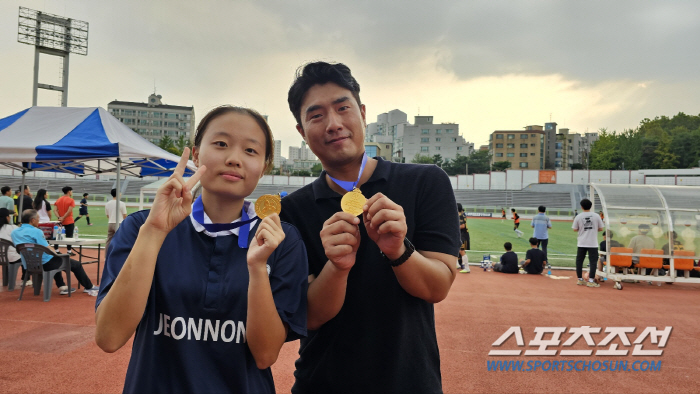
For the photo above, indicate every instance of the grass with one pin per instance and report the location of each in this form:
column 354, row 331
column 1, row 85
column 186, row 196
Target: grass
column 99, row 221
column 489, row 235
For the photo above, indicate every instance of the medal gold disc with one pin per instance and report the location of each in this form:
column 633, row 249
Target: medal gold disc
column 352, row 202
column 267, row 204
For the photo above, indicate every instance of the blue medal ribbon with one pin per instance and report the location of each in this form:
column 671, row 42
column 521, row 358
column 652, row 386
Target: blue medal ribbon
column 349, row 185
column 198, row 215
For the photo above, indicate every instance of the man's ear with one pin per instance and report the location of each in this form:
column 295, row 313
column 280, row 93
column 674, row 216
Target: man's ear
column 301, row 131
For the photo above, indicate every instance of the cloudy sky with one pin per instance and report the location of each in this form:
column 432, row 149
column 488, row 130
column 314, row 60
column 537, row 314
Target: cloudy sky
column 487, row 65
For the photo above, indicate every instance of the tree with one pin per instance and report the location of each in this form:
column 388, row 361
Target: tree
column 181, row 144
column 420, row 159
column 437, row 160
column 168, row 144
column 301, row 173
column 577, row 166
column 501, row 165
column 316, row 169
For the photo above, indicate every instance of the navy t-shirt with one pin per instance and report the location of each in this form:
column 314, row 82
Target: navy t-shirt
column 509, row 262
column 536, row 258
column 383, row 339
column 192, row 337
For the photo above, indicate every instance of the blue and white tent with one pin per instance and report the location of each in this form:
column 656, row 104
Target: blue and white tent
column 79, row 141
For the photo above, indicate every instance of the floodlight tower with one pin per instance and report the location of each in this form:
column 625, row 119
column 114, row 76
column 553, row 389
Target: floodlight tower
column 52, row 35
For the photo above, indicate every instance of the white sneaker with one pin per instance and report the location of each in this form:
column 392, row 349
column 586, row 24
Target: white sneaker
column 91, row 292
column 29, row 283
column 93, row 288
column 63, row 290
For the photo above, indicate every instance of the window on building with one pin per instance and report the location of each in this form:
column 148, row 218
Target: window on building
column 523, row 145
column 128, row 112
column 437, row 139
column 371, row 151
column 454, row 139
column 532, row 154
column 460, row 147
column 499, row 136
column 157, row 114
column 523, row 136
column 438, row 131
column 511, row 155
column 511, row 136
column 558, row 155
column 499, row 154
column 438, row 148
column 510, row 146
column 557, row 164
column 143, row 113
column 426, row 139
column 523, row 164
column 558, row 145
column 523, row 155
column 450, row 131
column 499, row 145
column 532, row 144
column 425, row 131
column 423, row 148
column 533, row 135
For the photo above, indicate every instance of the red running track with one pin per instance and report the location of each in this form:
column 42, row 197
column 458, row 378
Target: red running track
column 48, row 347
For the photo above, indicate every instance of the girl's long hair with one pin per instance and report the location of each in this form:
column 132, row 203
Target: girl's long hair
column 39, row 199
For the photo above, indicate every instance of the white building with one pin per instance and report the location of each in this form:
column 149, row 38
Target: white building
column 278, row 159
column 429, row 139
column 154, row 120
column 301, row 153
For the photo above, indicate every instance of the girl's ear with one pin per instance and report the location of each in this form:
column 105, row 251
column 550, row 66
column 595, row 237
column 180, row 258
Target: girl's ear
column 195, row 155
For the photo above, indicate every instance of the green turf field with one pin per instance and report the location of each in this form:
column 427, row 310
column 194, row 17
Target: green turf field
column 98, row 219
column 491, row 234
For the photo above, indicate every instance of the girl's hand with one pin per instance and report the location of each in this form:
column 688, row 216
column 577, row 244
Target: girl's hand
column 173, row 201
column 267, row 238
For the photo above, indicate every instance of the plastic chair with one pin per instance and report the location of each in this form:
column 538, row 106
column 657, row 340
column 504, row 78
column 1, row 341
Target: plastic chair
column 681, row 264
column 33, row 254
column 620, row 261
column 654, row 263
column 9, row 268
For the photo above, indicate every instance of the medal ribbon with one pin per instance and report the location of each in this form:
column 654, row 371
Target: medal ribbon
column 349, row 185
column 198, row 215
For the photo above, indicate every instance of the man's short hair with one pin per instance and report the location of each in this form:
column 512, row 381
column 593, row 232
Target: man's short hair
column 609, row 234
column 86, row 194
column 28, row 215
column 512, row 209
column 459, row 207
column 533, row 241
column 542, row 209
column 508, row 246
column 5, row 189
column 66, row 189
column 644, row 228
column 586, row 204
column 113, row 192
column 319, row 73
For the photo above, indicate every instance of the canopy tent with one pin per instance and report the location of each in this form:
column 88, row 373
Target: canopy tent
column 79, row 141
column 665, row 217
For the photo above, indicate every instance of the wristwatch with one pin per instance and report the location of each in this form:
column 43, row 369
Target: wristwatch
column 405, row 256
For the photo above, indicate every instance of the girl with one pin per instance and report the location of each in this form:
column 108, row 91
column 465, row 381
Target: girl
column 41, row 204
column 211, row 305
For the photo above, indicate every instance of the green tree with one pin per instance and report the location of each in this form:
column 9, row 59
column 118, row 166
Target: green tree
column 577, row 166
column 181, row 144
column 501, row 165
column 420, row 159
column 437, row 160
column 301, row 173
column 316, row 169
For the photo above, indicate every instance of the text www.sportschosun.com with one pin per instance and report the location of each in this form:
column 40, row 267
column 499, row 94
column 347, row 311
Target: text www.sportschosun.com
column 573, row 366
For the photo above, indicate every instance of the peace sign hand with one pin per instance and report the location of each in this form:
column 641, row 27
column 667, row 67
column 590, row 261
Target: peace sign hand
column 173, row 201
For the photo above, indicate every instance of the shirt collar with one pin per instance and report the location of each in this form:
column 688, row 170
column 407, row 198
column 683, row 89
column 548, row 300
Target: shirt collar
column 322, row 191
column 250, row 208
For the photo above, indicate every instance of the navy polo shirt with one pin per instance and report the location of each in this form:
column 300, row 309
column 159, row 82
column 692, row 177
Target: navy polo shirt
column 383, row 339
column 192, row 337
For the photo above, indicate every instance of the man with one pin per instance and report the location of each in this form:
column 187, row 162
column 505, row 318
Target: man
column 63, row 208
column 29, row 233
column 6, row 200
column 509, row 261
column 541, row 224
column 111, row 212
column 464, row 236
column 366, row 275
column 534, row 259
column 607, row 243
column 25, row 199
column 516, row 223
column 641, row 241
column 587, row 224
column 18, row 192
column 83, row 210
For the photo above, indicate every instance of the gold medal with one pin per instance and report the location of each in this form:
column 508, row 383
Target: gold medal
column 352, row 202
column 267, row 204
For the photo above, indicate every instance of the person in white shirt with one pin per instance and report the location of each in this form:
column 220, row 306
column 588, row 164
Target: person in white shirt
column 6, row 229
column 111, row 212
column 587, row 224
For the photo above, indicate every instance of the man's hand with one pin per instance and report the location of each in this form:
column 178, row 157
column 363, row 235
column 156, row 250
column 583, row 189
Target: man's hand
column 340, row 237
column 385, row 223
